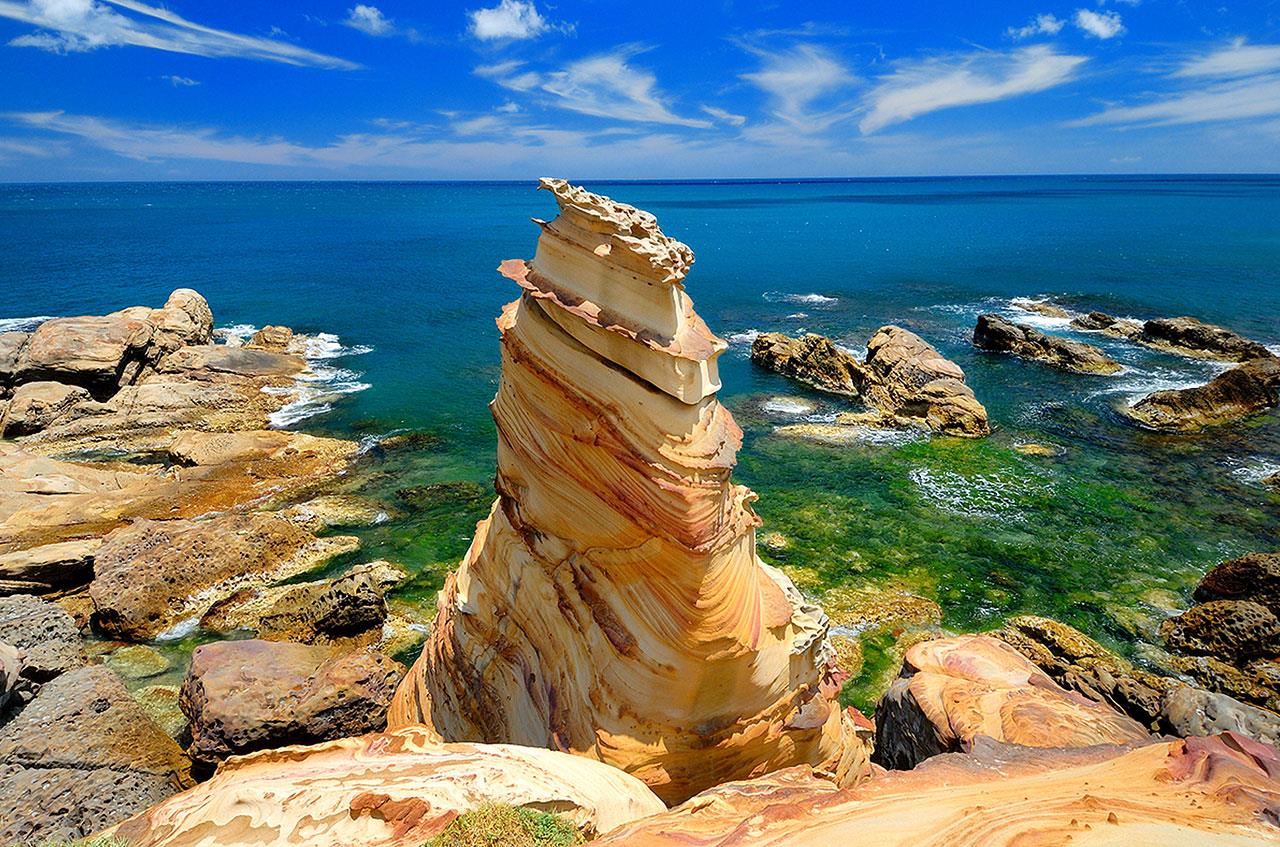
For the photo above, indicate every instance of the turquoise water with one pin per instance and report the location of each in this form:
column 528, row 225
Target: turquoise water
column 1108, row 533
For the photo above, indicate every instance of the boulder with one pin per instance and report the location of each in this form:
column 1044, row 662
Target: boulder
column 36, row 405
column 347, row 610
column 103, row 353
column 956, row 689
column 1189, row 711
column 44, row 634
column 812, row 359
column 152, row 575
column 995, row 333
column 1195, row 338
column 274, row 338
column 49, row 567
column 909, row 378
column 242, row 696
column 395, row 789
column 1272, row 481
column 80, row 757
column 1126, row 328
column 1255, row 576
column 1179, row 793
column 1243, row 391
column 1234, row 630
column 11, row 347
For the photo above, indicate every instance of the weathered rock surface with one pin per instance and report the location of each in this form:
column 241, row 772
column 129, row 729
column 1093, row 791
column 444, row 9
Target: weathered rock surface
column 1192, row 337
column 995, row 333
column 650, row 637
column 396, row 789
column 80, row 757
column 154, row 574
column 45, row 636
column 348, row 610
column 50, row 567
column 104, row 353
column 1243, row 391
column 1039, row 307
column 11, row 347
column 904, row 378
column 1189, row 711
column 1181, row 793
column 814, row 360
column 10, row 678
column 242, row 696
column 1126, row 328
column 36, row 405
column 956, row 689
column 1255, row 577
column 1235, row 630
column 274, row 338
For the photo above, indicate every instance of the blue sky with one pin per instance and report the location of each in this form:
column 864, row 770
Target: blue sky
column 301, row 89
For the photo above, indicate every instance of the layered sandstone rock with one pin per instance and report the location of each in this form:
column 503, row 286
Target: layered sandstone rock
column 395, row 789
column 612, row 604
column 1126, row 328
column 1222, row 790
column 995, row 333
column 1193, row 337
column 954, row 690
column 1245, row 390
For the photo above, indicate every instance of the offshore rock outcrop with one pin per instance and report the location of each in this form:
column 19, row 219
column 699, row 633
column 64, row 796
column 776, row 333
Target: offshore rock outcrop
column 995, row 333
column 612, row 603
column 905, row 379
column 1247, row 389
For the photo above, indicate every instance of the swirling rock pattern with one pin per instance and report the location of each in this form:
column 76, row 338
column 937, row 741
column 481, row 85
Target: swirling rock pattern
column 1182, row 793
column 612, row 604
column 395, row 789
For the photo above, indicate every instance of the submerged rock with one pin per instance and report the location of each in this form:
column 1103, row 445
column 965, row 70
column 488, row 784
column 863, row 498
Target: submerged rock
column 394, row 789
column 1039, row 307
column 995, row 333
column 956, row 689
column 80, row 757
column 154, row 574
column 1243, row 391
column 242, row 696
column 651, row 636
column 1183, row 792
column 1192, row 337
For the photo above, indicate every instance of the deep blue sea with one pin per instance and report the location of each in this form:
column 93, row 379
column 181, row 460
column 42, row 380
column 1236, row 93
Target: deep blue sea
column 1109, row 533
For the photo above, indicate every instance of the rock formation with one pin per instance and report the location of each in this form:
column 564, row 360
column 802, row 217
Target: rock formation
column 953, row 690
column 1192, row 337
column 1245, row 390
column 1181, row 793
column 1039, row 307
column 396, row 789
column 904, row 379
column 612, row 603
column 995, row 333
column 1126, row 328
column 243, row 696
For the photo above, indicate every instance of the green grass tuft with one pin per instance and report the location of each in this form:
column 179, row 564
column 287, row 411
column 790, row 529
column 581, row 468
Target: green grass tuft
column 507, row 826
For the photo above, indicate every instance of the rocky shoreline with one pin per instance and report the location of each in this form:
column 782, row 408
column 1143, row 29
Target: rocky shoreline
column 643, row 673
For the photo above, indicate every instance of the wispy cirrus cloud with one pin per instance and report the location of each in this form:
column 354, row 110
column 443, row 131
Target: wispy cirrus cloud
column 606, row 85
column 1237, row 82
column 916, row 88
column 180, row 81
column 798, row 78
column 724, row 116
column 77, row 26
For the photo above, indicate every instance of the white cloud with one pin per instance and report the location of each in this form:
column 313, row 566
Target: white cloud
column 917, row 88
column 1238, row 82
column 796, row 79
column 74, row 26
column 725, row 116
column 1237, row 59
column 1039, row 25
column 180, row 81
column 605, row 85
column 509, row 20
column 369, row 20
column 1102, row 25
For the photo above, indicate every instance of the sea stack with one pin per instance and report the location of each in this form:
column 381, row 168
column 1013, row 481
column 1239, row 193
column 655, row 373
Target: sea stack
column 612, row 604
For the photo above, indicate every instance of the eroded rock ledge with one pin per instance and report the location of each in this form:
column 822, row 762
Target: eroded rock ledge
column 612, row 604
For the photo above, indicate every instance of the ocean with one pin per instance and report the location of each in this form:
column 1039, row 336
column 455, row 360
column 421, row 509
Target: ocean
column 1109, row 532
